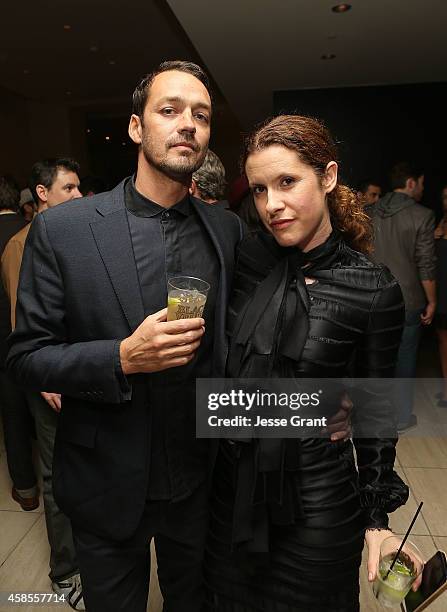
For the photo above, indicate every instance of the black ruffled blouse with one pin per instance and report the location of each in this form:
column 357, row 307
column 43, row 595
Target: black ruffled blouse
column 348, row 321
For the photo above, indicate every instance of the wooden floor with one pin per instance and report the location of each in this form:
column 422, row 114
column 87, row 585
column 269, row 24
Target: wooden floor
column 422, row 463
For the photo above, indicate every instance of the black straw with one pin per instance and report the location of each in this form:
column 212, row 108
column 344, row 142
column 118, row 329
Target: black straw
column 405, row 539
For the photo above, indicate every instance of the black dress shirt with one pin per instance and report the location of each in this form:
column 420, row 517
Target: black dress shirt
column 170, row 242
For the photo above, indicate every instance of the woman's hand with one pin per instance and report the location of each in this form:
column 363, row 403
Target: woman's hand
column 374, row 539
column 53, row 399
column 339, row 425
column 439, row 231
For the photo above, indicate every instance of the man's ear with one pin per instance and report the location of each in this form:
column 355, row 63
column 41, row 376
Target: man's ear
column 193, row 189
column 330, row 177
column 42, row 193
column 135, row 129
column 410, row 184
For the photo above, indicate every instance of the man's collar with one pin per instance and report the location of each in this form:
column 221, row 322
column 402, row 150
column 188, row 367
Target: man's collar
column 140, row 206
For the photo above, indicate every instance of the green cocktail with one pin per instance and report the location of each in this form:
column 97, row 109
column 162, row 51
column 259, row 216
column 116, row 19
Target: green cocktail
column 391, row 587
column 392, row 591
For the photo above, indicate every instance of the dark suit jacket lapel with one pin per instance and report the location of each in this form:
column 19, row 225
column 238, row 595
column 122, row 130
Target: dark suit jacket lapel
column 225, row 255
column 112, row 236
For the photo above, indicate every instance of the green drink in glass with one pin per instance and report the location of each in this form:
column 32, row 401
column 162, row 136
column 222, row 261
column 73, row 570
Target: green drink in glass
column 391, row 587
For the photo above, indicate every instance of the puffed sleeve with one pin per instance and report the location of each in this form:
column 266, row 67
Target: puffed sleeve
column 375, row 433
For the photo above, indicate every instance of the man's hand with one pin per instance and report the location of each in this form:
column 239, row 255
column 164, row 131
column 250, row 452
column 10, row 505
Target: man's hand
column 428, row 314
column 158, row 344
column 340, row 424
column 53, row 399
column 439, row 232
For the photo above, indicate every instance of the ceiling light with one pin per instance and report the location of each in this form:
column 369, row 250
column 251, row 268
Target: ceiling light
column 88, row 130
column 328, row 56
column 341, row 8
column 67, row 27
column 107, row 137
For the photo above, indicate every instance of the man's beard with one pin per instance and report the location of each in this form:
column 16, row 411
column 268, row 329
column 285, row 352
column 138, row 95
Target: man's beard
column 179, row 168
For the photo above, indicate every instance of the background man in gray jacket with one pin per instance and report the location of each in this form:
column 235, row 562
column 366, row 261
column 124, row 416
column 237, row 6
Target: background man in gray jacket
column 404, row 242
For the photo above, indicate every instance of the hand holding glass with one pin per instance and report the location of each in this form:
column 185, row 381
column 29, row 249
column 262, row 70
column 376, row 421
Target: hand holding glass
column 391, row 590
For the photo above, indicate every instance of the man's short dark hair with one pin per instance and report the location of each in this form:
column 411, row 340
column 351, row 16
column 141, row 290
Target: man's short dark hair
column 365, row 183
column 401, row 172
column 210, row 178
column 9, row 195
column 44, row 172
column 140, row 95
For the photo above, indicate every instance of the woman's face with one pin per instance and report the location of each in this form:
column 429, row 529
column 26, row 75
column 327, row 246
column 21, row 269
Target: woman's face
column 289, row 196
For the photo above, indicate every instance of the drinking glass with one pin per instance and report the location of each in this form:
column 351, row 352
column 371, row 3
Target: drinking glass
column 391, row 590
column 186, row 297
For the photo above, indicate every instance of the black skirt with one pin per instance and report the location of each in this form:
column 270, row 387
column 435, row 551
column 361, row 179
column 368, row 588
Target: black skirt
column 314, row 564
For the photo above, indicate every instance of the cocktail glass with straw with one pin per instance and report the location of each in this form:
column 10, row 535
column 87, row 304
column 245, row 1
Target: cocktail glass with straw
column 400, row 564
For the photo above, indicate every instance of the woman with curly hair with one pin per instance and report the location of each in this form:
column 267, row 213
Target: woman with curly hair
column 289, row 517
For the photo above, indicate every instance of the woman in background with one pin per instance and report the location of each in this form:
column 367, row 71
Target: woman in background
column 289, row 517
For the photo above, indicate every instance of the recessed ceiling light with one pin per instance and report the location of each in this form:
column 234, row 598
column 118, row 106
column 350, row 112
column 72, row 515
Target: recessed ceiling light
column 107, row 137
column 67, row 27
column 328, row 56
column 342, row 8
column 88, row 130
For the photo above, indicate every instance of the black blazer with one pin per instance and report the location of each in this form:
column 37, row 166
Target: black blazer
column 79, row 296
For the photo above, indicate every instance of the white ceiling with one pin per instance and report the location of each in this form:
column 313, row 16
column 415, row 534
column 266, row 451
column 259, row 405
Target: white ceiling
column 254, row 47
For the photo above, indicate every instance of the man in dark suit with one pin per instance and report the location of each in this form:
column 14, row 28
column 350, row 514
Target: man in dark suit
column 17, row 422
column 91, row 325
column 52, row 182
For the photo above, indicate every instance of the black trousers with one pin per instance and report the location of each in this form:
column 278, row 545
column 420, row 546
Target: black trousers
column 63, row 563
column 18, row 432
column 115, row 575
